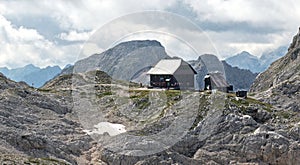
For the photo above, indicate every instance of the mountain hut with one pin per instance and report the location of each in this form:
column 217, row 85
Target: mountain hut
column 172, row 73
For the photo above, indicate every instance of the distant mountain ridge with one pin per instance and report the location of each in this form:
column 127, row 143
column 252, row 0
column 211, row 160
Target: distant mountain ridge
column 245, row 60
column 31, row 74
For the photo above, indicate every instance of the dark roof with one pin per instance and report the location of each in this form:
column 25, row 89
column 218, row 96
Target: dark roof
column 218, row 79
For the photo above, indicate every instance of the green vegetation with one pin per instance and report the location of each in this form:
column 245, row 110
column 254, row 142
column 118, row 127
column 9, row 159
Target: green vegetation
column 141, row 97
column 240, row 102
column 44, row 90
column 44, row 161
column 284, row 114
column 293, row 117
column 138, row 94
column 266, row 106
column 102, row 94
column 244, row 103
column 21, row 159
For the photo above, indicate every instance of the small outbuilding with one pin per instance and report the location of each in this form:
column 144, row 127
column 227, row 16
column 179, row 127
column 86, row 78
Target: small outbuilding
column 241, row 93
column 172, row 73
column 216, row 81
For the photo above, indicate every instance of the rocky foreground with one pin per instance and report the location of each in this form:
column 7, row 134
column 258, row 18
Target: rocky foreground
column 48, row 125
column 35, row 124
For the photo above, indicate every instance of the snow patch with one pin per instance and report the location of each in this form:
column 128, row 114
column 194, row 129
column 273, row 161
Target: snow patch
column 110, row 128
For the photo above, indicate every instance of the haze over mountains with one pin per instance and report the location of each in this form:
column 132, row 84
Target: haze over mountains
column 245, row 60
column 32, row 75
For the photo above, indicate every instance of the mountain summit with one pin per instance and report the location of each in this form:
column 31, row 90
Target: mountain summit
column 245, row 60
column 125, row 59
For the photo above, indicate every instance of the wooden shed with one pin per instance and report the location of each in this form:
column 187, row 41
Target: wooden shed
column 172, row 73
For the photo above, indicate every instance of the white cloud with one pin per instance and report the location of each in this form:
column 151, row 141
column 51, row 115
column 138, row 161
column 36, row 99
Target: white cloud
column 254, row 26
column 229, row 43
column 82, row 15
column 75, row 36
column 178, row 35
column 77, row 20
column 20, row 46
column 17, row 35
column 254, row 11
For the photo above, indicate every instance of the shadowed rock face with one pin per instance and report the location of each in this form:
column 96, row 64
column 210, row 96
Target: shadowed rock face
column 240, row 78
column 280, row 83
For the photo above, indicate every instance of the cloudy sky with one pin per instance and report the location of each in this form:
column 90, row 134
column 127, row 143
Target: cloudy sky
column 60, row 32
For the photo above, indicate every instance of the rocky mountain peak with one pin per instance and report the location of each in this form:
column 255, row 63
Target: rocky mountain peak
column 125, row 48
column 246, row 54
column 125, row 59
column 296, row 41
column 30, row 66
column 245, row 60
column 212, row 63
column 139, row 43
